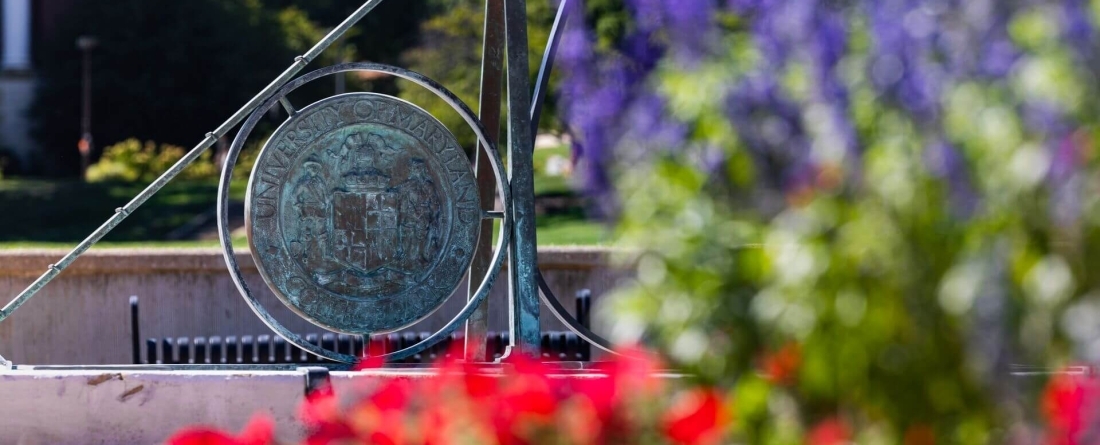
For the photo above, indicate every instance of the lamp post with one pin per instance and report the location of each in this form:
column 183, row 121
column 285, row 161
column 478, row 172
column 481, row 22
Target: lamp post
column 86, row 44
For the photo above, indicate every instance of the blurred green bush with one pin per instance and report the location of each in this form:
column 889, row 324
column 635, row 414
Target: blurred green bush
column 134, row 161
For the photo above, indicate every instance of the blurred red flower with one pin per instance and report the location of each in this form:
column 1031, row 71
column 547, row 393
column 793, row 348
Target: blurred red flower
column 1069, row 401
column 259, row 431
column 781, row 367
column 831, row 431
column 697, row 417
column 522, row 402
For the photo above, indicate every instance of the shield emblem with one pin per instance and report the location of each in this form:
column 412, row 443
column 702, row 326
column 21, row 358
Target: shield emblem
column 365, row 229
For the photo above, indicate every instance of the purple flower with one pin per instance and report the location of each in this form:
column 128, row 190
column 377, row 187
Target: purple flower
column 649, row 127
column 686, row 25
column 1045, row 119
column 901, row 65
column 1077, row 28
column 919, row 50
column 999, row 55
column 1064, row 160
column 1065, row 183
column 945, row 162
column 771, row 128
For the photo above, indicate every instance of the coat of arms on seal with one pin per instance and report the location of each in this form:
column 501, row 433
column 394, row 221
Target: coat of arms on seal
column 362, row 213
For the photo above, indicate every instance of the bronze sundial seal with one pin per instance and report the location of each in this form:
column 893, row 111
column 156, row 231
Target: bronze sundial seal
column 362, row 213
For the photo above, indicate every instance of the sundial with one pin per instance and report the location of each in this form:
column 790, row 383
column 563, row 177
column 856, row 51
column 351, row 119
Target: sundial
column 362, row 213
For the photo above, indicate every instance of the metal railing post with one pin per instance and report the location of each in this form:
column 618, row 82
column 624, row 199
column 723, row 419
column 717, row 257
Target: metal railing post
column 523, row 256
column 492, row 69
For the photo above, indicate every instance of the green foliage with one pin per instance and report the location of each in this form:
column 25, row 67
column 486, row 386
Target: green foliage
column 247, row 160
column 130, row 161
column 608, row 19
column 449, row 51
column 389, row 29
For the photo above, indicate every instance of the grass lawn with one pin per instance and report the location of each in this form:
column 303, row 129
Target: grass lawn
column 65, row 212
column 39, row 213
column 546, row 184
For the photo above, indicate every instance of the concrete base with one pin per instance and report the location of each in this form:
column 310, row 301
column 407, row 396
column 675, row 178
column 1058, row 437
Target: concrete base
column 82, row 317
column 146, row 407
column 95, row 407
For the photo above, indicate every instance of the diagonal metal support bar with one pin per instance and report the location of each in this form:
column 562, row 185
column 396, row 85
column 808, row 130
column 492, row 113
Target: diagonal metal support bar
column 121, row 213
column 492, row 82
column 523, row 259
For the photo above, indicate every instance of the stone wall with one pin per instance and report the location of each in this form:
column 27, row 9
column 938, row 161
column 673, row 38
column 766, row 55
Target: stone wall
column 82, row 317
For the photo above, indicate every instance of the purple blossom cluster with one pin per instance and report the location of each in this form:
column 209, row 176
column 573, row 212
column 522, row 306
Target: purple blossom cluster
column 605, row 98
column 916, row 52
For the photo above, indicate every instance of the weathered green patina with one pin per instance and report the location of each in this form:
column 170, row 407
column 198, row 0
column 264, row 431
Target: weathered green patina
column 362, row 213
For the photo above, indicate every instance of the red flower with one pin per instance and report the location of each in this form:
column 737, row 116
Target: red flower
column 697, row 417
column 831, row 431
column 525, row 402
column 393, row 395
column 320, row 407
column 479, row 385
column 1068, row 401
column 781, row 367
column 601, row 400
column 259, row 431
column 321, row 413
column 201, row 436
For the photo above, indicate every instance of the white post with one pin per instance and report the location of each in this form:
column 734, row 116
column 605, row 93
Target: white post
column 17, row 36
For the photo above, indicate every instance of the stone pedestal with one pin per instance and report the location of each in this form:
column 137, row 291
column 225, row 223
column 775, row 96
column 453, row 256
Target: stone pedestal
column 143, row 407
column 82, row 317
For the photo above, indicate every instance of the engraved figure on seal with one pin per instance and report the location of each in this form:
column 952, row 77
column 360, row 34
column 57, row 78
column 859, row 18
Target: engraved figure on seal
column 419, row 238
column 311, row 204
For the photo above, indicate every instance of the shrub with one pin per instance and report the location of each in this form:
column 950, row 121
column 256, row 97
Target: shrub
column 132, row 160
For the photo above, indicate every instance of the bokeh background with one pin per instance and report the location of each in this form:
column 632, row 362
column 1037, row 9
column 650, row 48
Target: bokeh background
column 870, row 219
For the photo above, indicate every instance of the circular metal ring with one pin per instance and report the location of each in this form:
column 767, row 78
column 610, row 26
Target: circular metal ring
column 503, row 237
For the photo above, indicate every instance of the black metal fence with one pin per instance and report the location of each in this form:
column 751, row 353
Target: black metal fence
column 272, row 349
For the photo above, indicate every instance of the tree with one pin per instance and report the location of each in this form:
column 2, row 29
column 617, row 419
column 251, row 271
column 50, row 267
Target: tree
column 449, row 51
column 381, row 36
column 164, row 71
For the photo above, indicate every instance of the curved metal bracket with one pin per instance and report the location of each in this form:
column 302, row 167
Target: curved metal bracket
column 503, row 238
column 541, row 85
column 569, row 320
